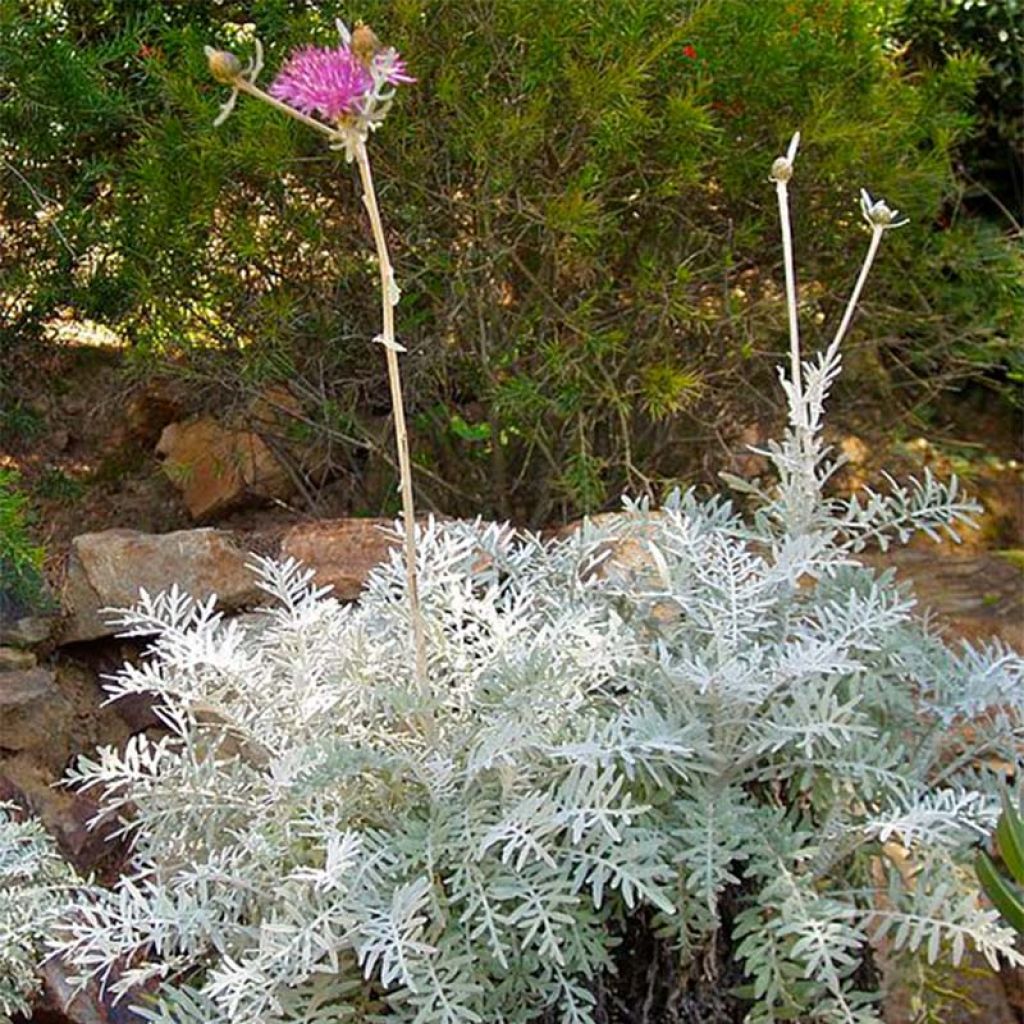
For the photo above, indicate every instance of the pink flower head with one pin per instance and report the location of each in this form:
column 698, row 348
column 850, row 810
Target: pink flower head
column 335, row 82
column 328, row 82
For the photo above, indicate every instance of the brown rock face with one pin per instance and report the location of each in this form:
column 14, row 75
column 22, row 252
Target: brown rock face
column 217, row 469
column 13, row 659
column 978, row 596
column 27, row 631
column 106, row 570
column 33, row 712
column 342, row 551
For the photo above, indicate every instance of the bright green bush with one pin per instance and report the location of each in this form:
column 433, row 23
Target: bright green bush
column 21, row 580
column 588, row 283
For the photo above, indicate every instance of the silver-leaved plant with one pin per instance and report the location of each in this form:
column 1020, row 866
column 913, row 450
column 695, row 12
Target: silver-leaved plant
column 666, row 709
column 34, row 884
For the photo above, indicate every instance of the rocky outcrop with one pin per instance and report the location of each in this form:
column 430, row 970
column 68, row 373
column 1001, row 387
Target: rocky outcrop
column 342, row 551
column 27, row 630
column 33, row 713
column 978, row 597
column 217, row 468
column 106, row 570
column 14, row 658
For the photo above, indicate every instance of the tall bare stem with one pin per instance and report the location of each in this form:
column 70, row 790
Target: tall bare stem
column 851, row 305
column 227, row 69
column 389, row 297
column 782, row 171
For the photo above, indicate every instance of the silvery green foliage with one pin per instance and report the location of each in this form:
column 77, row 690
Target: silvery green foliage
column 663, row 707
column 33, row 883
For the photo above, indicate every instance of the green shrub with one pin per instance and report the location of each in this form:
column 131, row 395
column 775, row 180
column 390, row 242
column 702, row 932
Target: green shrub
column 587, row 280
column 21, row 580
column 935, row 31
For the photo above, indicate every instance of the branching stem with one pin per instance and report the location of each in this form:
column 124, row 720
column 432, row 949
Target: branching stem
column 244, row 85
column 389, row 297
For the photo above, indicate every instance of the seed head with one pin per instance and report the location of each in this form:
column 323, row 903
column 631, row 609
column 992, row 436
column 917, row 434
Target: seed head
column 782, row 169
column 224, row 66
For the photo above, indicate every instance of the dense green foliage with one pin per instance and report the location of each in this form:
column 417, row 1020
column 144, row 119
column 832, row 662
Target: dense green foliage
column 591, row 285
column 935, row 30
column 21, row 580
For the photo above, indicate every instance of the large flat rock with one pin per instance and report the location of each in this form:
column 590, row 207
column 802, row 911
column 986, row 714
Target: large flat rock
column 107, row 570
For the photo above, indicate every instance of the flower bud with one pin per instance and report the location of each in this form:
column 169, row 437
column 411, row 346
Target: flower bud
column 782, row 169
column 880, row 214
column 224, row 66
column 365, row 44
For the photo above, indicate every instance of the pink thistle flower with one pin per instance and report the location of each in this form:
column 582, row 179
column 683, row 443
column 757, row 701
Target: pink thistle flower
column 316, row 80
column 335, row 82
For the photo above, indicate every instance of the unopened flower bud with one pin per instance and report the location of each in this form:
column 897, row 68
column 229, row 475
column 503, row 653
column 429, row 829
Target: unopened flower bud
column 224, row 66
column 365, row 44
column 782, row 169
column 880, row 214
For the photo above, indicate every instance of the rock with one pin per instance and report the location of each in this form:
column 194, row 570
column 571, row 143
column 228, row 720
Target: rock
column 744, row 461
column 279, row 418
column 980, row 995
column 148, row 411
column 82, row 1005
column 138, row 711
column 217, row 469
column 978, row 597
column 65, row 815
column 273, row 409
column 107, row 569
column 27, row 631
column 33, row 712
column 13, row 659
column 342, row 551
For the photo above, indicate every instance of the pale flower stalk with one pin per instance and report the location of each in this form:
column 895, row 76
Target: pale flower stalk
column 808, row 384
column 351, row 87
column 782, row 171
column 880, row 218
